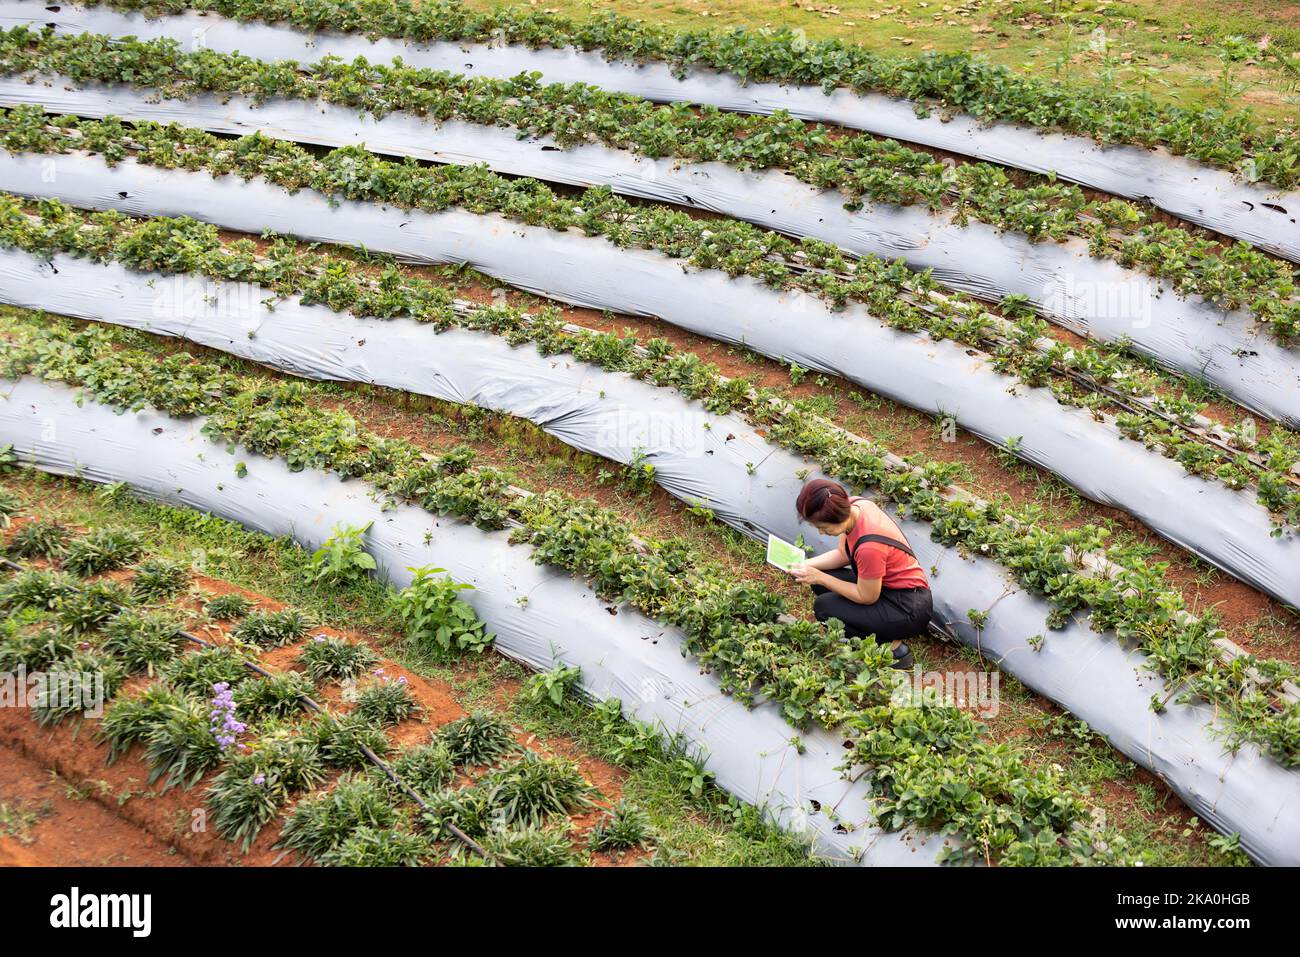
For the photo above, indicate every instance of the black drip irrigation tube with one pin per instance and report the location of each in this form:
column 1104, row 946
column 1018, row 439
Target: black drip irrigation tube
column 312, row 705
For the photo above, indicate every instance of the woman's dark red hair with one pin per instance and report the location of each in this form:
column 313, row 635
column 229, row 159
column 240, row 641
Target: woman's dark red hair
column 823, row 502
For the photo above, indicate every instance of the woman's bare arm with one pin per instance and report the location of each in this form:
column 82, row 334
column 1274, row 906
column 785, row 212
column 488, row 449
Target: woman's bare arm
column 828, row 561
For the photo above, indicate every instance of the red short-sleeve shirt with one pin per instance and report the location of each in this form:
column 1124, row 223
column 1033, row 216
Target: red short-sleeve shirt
column 893, row 566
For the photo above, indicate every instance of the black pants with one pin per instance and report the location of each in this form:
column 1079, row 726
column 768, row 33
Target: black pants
column 898, row 615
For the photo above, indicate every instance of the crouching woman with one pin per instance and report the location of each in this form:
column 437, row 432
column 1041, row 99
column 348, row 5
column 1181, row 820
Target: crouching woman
column 872, row 582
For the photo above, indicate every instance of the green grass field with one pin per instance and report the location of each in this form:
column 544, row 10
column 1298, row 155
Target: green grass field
column 1182, row 51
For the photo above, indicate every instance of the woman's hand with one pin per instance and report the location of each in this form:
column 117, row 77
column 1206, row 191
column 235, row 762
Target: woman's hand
column 805, row 574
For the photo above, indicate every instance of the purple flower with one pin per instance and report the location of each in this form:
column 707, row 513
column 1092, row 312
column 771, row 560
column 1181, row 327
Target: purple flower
column 222, row 723
column 260, row 779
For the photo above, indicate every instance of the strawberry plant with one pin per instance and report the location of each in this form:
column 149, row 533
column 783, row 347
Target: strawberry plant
column 934, row 82
column 863, row 168
column 1146, row 408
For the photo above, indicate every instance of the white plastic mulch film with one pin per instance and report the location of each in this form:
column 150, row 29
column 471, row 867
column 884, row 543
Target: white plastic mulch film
column 1225, row 527
column 698, row 456
column 624, row 655
column 1218, row 199
column 1092, row 296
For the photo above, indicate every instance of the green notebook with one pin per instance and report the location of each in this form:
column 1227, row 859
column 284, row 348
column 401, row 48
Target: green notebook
column 783, row 554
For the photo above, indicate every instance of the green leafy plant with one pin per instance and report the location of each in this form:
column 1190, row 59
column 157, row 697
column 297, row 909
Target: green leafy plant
column 279, row 696
column 195, row 672
column 271, row 629
column 469, row 809
column 427, row 768
column 86, row 609
column 180, row 748
column 320, row 822
column 385, row 701
column 143, row 640
column 102, row 550
column 78, row 684
column 551, row 687
column 36, row 588
column 532, row 847
column 249, row 792
column 129, row 721
column 327, row 658
column 436, row 618
column 10, row 503
column 229, row 607
column 372, row 847
column 40, row 538
column 343, row 741
column 531, row 789
column 157, row 579
column 479, row 738
column 29, row 642
column 621, row 828
column 343, row 559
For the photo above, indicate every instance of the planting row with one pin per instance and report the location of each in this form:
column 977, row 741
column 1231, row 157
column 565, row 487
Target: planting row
column 1208, row 335
column 704, row 454
column 259, row 738
column 713, row 458
column 789, row 677
column 911, row 754
column 1231, row 528
column 540, row 616
column 647, row 61
column 1149, row 411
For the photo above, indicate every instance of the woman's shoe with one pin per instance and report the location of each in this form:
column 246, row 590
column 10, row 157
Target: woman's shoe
column 903, row 659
